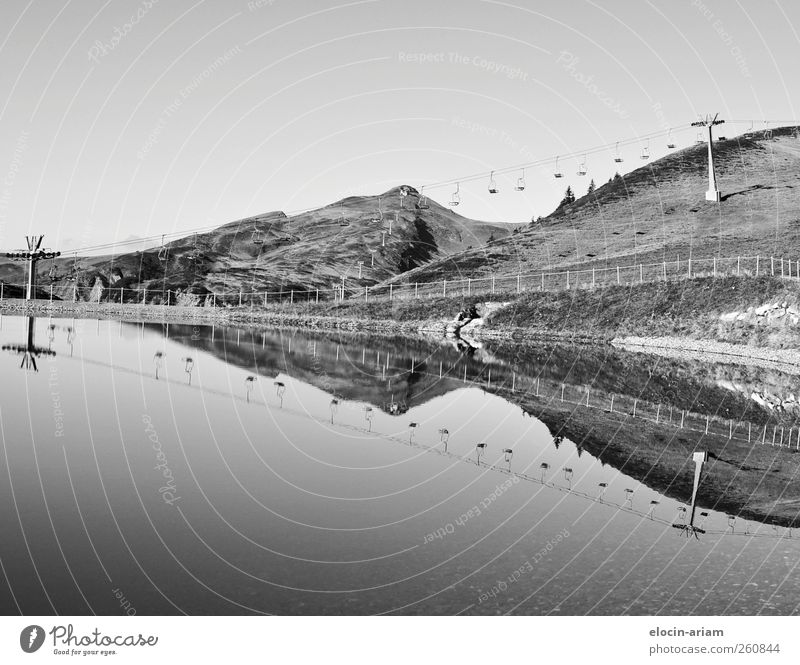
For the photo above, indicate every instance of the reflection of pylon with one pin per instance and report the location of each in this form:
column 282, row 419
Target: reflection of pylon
column 29, row 351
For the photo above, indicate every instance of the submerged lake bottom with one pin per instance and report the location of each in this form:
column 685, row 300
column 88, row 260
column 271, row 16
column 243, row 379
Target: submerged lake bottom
column 181, row 469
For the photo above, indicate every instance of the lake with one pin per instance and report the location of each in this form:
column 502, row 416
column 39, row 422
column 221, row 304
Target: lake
column 168, row 469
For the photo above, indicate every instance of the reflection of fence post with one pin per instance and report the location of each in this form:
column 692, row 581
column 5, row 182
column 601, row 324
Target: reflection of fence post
column 492, row 284
column 444, row 287
column 682, row 415
column 568, row 280
column 617, row 275
column 518, row 284
column 542, row 281
column 416, row 290
column 758, row 258
column 715, row 267
column 469, row 286
column 635, row 402
column 641, row 273
column 772, row 266
column 689, row 267
column 612, row 404
column 738, row 265
column 665, row 271
column 592, row 276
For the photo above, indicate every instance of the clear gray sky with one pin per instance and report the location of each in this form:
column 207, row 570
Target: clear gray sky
column 136, row 117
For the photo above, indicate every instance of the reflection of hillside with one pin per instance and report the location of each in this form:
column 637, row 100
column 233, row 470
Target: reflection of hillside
column 632, row 422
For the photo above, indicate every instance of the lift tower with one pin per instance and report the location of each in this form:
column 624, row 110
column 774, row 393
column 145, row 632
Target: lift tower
column 713, row 192
column 32, row 256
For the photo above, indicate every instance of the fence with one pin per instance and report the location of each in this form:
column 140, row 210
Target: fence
column 577, row 278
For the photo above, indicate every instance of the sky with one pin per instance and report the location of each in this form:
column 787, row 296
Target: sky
column 123, row 119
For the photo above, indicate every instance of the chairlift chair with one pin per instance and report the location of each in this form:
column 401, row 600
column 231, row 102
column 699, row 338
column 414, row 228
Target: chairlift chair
column 646, row 152
column 257, row 238
column 520, row 186
column 162, row 252
column 492, row 184
column 670, row 142
column 700, row 138
column 582, row 167
column 617, row 157
column 422, row 202
column 556, row 172
column 455, row 198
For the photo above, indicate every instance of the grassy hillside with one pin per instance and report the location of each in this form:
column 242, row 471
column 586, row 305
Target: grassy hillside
column 273, row 251
column 658, row 212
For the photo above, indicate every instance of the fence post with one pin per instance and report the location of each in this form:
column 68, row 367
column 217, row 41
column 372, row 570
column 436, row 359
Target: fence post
column 618, row 276
column 715, row 267
column 689, row 267
column 391, row 291
column 240, row 298
column 144, row 296
column 518, row 284
column 738, row 265
column 416, row 289
column 366, row 290
column 641, row 273
column 757, row 261
column 772, row 266
column 291, row 297
column 317, row 295
column 444, row 287
column 469, row 286
column 542, row 281
column 492, row 283
column 567, row 279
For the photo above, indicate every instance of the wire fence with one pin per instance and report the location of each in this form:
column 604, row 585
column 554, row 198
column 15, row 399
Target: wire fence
column 558, row 280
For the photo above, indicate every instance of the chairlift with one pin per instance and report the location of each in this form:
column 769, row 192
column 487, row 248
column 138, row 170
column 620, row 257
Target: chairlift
column 700, row 138
column 767, row 131
column 422, row 202
column 670, row 142
column 646, row 151
column 582, row 167
column 342, row 219
column 556, row 172
column 379, row 218
column 52, row 272
column 480, row 449
column 492, row 184
column 162, row 252
column 257, row 238
column 617, row 157
column 455, row 199
column 520, row 186
column 508, row 453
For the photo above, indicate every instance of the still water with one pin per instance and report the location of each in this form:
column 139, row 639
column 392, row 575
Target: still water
column 157, row 469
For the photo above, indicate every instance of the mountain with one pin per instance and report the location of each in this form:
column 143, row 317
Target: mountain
column 658, row 212
column 311, row 250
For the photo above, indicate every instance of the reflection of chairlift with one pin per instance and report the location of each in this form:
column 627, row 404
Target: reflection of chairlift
column 248, row 386
column 411, row 429
column 379, row 218
column 568, row 474
column 455, row 198
column 507, row 455
column 652, row 510
column 732, row 522
column 480, row 449
column 493, row 184
column 520, row 186
column 556, row 172
column 617, row 157
column 444, row 437
column 603, row 487
column 628, row 497
column 544, row 466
